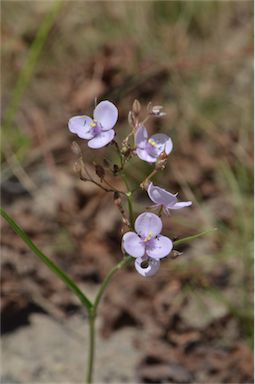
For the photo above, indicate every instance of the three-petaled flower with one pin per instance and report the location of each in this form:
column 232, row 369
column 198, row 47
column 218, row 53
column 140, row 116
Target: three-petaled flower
column 146, row 244
column 149, row 149
column 163, row 198
column 99, row 130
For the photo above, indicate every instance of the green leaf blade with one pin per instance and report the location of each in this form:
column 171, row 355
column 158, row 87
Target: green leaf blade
column 193, row 237
column 49, row 263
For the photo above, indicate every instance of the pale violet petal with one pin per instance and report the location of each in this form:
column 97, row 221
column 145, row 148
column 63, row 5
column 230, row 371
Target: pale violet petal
column 143, row 155
column 162, row 246
column 181, row 204
column 148, row 224
column 163, row 143
column 141, row 137
column 150, row 270
column 102, row 139
column 133, row 245
column 107, row 114
column 161, row 196
column 80, row 125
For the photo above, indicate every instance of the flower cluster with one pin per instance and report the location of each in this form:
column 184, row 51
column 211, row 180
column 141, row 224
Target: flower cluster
column 143, row 240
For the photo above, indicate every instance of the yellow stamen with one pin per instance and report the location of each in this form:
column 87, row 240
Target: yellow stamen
column 93, row 124
column 147, row 238
column 152, row 142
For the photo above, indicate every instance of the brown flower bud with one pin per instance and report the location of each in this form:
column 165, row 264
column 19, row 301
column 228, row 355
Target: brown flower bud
column 77, row 167
column 145, row 184
column 126, row 150
column 174, row 254
column 157, row 111
column 161, row 161
column 136, row 107
column 76, row 148
column 149, row 106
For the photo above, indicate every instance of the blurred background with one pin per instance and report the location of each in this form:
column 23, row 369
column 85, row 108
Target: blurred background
column 192, row 321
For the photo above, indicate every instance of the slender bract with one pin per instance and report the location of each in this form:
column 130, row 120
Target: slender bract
column 193, row 237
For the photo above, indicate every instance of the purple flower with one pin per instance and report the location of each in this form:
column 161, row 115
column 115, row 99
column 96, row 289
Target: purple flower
column 150, row 149
column 98, row 131
column 166, row 199
column 146, row 244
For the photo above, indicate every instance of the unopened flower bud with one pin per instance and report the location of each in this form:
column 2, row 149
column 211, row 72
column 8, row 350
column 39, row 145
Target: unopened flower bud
column 83, row 174
column 161, row 161
column 174, row 254
column 77, row 167
column 136, row 107
column 149, row 105
column 126, row 150
column 76, row 148
column 157, row 111
column 145, row 184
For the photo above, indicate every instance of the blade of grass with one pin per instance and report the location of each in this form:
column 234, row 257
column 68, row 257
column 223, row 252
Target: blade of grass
column 30, row 63
column 189, row 238
column 50, row 264
column 21, row 85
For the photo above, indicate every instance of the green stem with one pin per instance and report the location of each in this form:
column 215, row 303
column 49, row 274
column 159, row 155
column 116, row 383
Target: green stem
column 91, row 352
column 93, row 312
column 129, row 200
column 125, row 261
column 189, row 238
column 30, row 63
column 130, row 209
column 119, row 153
